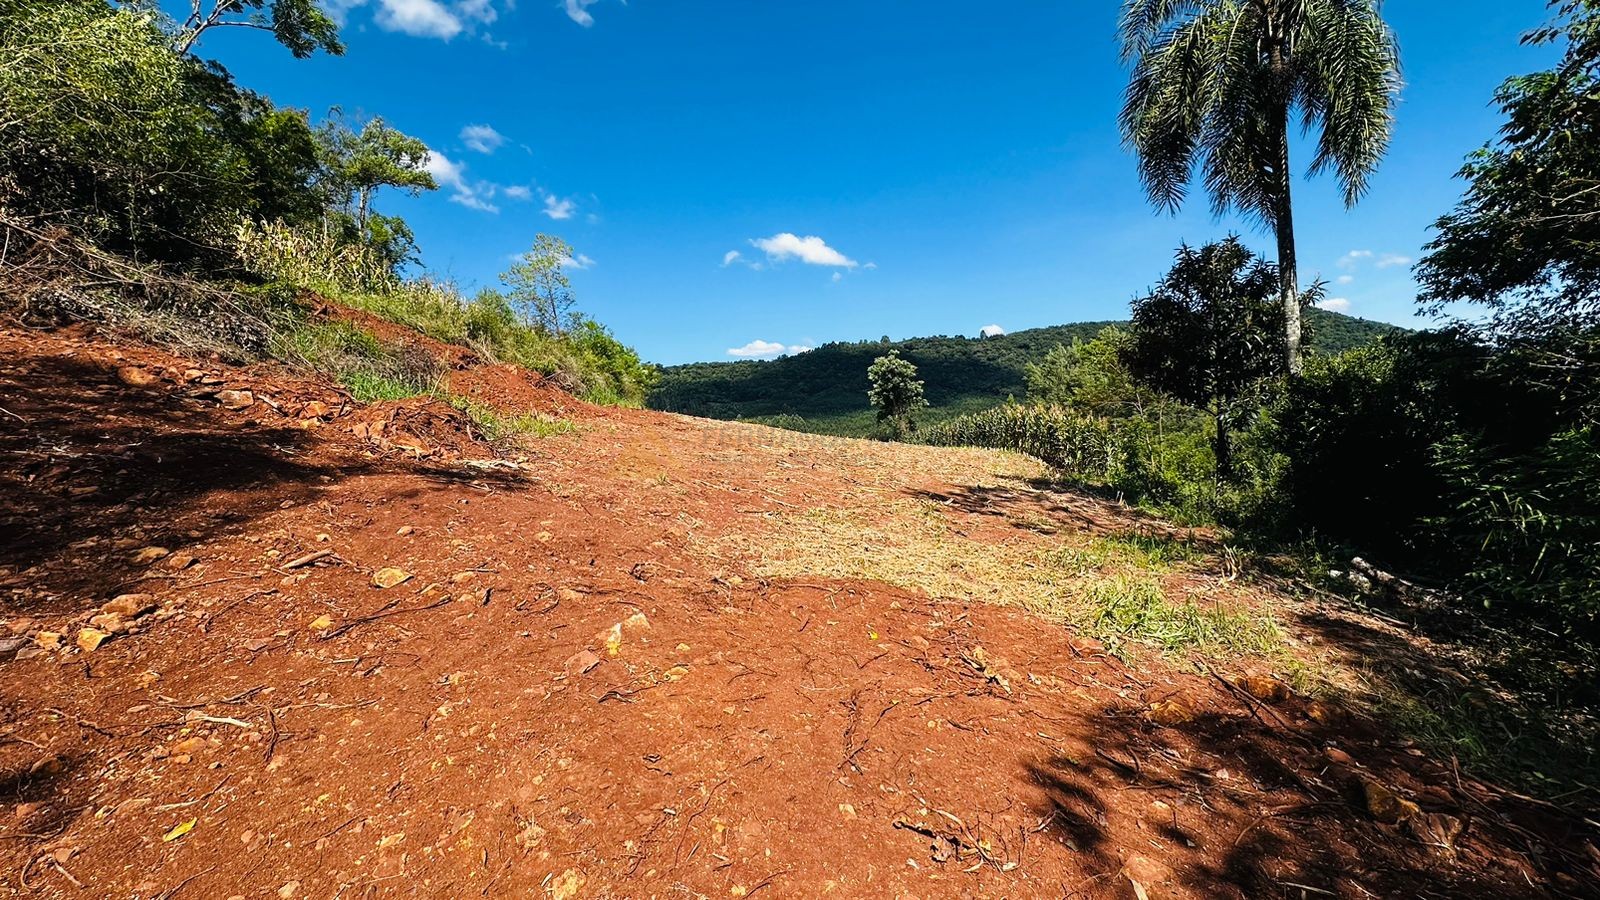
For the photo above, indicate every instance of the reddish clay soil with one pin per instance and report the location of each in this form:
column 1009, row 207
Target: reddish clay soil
column 567, row 696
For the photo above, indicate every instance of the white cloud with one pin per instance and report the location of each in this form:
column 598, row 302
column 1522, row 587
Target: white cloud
column 838, row 277
column 419, row 18
column 519, row 192
column 1353, row 257
column 991, row 331
column 557, row 208
column 452, row 175
column 1335, row 304
column 766, row 350
column 811, row 250
column 731, row 257
column 1344, row 279
column 482, row 138
column 580, row 262
column 578, row 11
column 1390, row 260
column 481, row 10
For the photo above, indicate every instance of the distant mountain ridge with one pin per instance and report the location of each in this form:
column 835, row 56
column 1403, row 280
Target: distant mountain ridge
column 825, row 390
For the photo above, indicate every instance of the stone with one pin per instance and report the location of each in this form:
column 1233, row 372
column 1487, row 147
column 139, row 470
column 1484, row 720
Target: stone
column 236, row 399
column 389, row 577
column 149, row 555
column 130, row 606
column 108, row 622
column 1170, row 712
column 321, row 623
column 1436, row 831
column 1385, row 805
column 316, row 409
column 179, row 561
column 580, row 662
column 1264, row 687
column 90, row 639
column 133, row 376
column 566, row 886
column 48, row 640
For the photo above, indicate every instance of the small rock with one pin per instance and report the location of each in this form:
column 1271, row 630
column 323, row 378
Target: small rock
column 1385, row 805
column 236, row 399
column 676, row 673
column 459, row 577
column 179, row 561
column 133, row 376
column 1324, row 713
column 29, row 653
column 611, row 639
column 1437, row 831
column 108, row 622
column 1338, row 757
column 580, row 662
column 130, row 606
column 90, row 639
column 149, row 555
column 321, row 623
column 288, row 891
column 1170, row 712
column 316, row 409
column 566, row 885
column 12, row 644
column 188, row 746
column 1264, row 687
column 48, row 640
column 404, row 530
column 390, row 577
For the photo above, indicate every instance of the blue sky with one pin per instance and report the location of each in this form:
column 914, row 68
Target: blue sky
column 899, row 167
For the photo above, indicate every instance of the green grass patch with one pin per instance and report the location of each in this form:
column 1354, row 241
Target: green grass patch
column 498, row 427
column 1126, row 609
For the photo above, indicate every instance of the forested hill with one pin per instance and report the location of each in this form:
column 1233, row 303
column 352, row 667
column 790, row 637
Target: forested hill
column 825, row 390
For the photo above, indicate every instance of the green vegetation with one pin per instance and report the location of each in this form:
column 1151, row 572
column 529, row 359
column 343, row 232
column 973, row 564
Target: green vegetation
column 821, row 391
column 1214, row 86
column 207, row 213
column 1123, row 609
column 895, row 392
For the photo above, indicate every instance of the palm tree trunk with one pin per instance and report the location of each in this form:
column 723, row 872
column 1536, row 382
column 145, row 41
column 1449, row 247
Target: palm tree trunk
column 1283, row 216
column 1288, row 268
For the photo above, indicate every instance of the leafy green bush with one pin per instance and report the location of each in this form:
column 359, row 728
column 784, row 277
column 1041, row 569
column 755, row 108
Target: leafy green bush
column 1080, row 445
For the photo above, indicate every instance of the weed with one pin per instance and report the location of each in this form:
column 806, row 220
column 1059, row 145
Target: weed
column 1122, row 609
column 497, row 427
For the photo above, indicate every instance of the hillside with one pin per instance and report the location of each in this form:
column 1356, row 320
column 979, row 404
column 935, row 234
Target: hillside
column 824, row 391
column 267, row 638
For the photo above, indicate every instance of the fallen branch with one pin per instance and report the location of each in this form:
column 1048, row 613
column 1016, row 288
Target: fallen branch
column 364, row 620
column 308, row 559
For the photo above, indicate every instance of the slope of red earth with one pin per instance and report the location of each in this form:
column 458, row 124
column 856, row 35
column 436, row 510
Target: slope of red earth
column 566, row 691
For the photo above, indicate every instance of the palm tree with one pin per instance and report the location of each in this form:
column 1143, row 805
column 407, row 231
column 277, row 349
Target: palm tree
column 1215, row 82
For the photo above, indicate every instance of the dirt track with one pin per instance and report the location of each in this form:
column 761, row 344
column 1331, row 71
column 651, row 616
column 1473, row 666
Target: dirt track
column 586, row 689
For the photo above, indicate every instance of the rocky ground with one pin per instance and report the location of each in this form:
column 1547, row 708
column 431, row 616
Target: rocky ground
column 259, row 640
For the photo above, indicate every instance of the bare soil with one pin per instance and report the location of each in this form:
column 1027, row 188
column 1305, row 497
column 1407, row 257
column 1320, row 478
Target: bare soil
column 585, row 686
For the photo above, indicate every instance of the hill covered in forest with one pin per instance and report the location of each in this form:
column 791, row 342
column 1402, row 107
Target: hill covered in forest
column 824, row 390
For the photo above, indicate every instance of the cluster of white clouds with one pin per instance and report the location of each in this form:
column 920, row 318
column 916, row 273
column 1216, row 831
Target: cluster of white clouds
column 1353, row 261
column 480, row 194
column 785, row 246
column 991, row 331
column 445, row 19
column 422, row 18
column 767, row 350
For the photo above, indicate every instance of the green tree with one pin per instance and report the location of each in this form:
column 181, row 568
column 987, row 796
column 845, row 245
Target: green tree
column 1206, row 335
column 1090, row 376
column 303, row 26
column 355, row 165
column 894, row 389
column 1525, row 239
column 1217, row 81
column 539, row 288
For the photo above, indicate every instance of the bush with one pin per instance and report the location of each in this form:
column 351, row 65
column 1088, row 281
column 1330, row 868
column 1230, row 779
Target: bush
column 1079, row 445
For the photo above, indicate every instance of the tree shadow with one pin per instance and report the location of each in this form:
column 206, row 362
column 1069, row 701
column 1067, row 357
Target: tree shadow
column 95, row 470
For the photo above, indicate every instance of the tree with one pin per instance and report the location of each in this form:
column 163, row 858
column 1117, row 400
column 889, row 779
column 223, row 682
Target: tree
column 303, row 26
column 1216, row 81
column 1525, row 239
column 539, row 287
column 1206, row 334
column 896, row 392
column 355, row 164
column 1089, row 376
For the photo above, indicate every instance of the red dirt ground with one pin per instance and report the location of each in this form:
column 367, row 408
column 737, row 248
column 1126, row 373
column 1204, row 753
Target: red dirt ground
column 570, row 698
